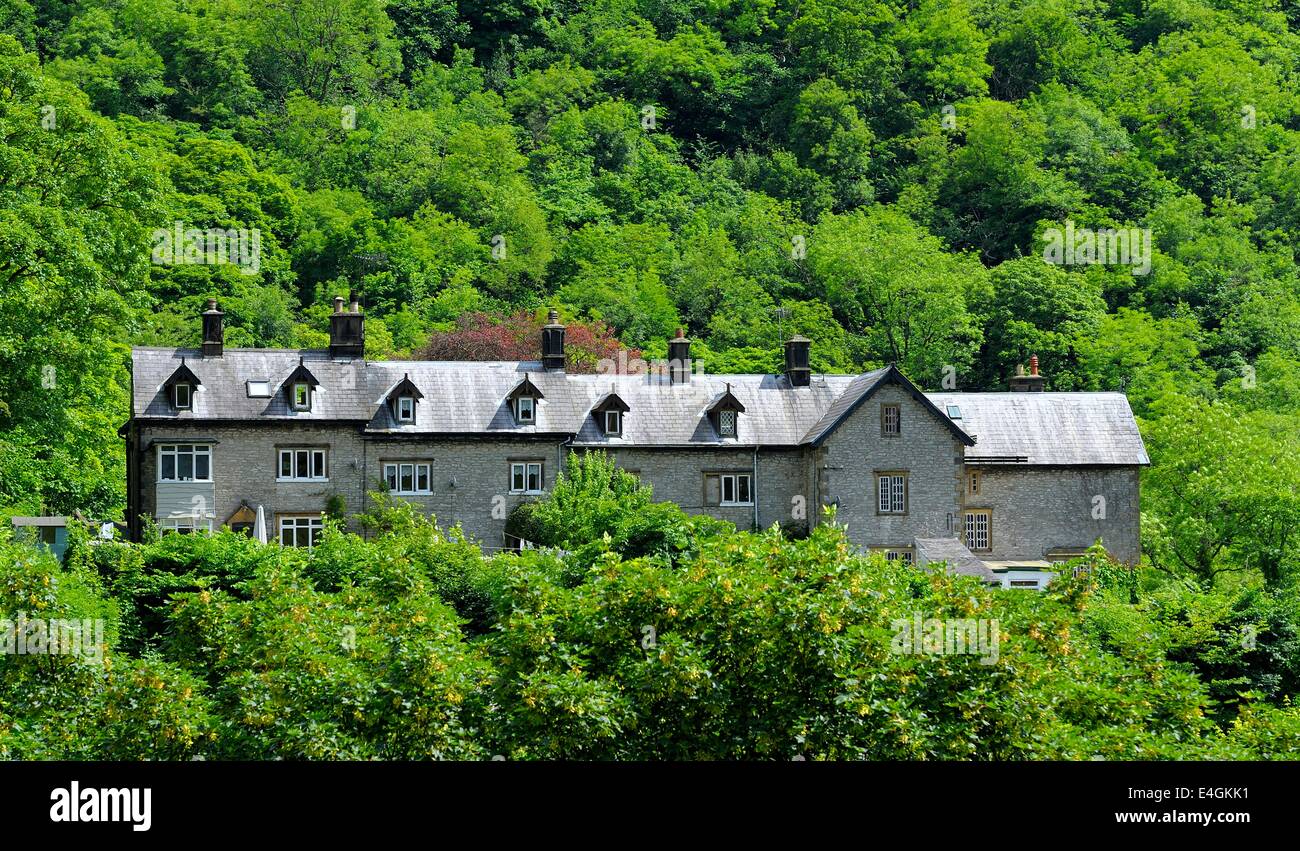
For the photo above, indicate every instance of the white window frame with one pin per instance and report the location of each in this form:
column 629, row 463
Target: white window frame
column 522, row 471
column 406, row 409
column 396, row 472
column 194, row 450
column 971, row 530
column 727, row 423
column 522, row 404
column 313, row 523
column 189, row 396
column 732, row 482
column 295, row 453
column 186, row 524
column 891, row 493
column 258, row 388
column 306, row 388
column 617, row 429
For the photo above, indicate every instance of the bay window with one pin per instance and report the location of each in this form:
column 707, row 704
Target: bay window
column 184, row 462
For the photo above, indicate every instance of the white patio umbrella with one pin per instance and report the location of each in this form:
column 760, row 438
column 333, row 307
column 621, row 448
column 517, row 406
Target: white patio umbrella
column 259, row 525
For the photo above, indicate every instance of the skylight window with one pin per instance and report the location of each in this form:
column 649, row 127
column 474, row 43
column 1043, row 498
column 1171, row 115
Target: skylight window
column 259, row 389
column 954, row 412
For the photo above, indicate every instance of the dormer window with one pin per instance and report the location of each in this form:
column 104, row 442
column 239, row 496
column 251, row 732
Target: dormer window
column 609, row 413
column 301, row 386
column 727, row 423
column 402, row 401
column 725, row 413
column 180, row 386
column 523, row 402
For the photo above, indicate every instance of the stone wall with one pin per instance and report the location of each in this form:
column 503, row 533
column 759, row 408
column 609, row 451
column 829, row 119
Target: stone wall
column 1036, row 509
column 925, row 450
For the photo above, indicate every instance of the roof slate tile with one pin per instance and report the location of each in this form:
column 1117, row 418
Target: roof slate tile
column 470, row 397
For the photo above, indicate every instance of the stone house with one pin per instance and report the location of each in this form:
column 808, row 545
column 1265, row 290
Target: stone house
column 999, row 485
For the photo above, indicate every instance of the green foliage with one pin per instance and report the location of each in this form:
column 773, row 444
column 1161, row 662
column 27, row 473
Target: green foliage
column 1226, row 485
column 875, row 176
column 378, row 670
column 667, row 638
column 890, row 280
column 96, row 703
column 590, row 499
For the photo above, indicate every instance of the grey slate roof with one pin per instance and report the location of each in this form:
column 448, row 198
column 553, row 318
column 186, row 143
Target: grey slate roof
column 856, row 391
column 860, row 390
column 1054, row 429
column 954, row 553
column 470, row 398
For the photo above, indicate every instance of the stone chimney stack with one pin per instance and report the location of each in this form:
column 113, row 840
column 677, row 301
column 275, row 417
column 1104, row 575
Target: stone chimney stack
column 679, row 358
column 797, row 369
column 347, row 330
column 553, row 342
column 214, row 333
column 1031, row 383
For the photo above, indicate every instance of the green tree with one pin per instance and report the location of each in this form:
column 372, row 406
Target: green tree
column 1225, row 484
column 897, row 285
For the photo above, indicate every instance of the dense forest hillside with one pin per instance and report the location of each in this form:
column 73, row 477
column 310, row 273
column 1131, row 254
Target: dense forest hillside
column 949, row 185
column 928, row 183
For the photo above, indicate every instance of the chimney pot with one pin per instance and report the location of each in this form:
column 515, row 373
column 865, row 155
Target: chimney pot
column 679, row 359
column 1028, row 383
column 347, row 330
column 553, row 341
column 797, row 368
column 214, row 333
